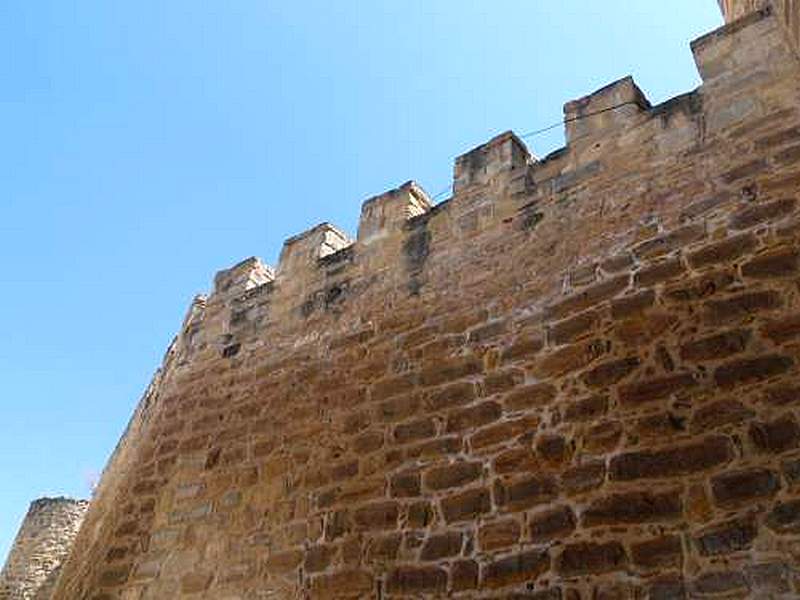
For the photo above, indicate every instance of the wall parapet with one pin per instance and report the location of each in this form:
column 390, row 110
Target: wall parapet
column 617, row 116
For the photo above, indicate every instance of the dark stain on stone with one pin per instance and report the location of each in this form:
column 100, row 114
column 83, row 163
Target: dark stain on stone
column 231, row 350
column 529, row 217
column 334, row 295
column 416, row 248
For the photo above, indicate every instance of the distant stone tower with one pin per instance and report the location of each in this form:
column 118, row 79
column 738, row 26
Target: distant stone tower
column 42, row 543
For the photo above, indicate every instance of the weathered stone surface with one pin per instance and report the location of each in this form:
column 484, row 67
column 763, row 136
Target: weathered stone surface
column 667, row 588
column 525, row 397
column 740, row 307
column 464, row 575
column 550, row 524
column 651, row 390
column 665, row 551
column 587, row 558
column 499, row 534
column 567, row 359
column 587, row 409
column 631, row 305
column 442, row 545
column 783, row 263
column 747, row 370
column 785, row 517
column 782, row 330
column 659, row 272
column 454, row 475
column 380, row 515
column 610, row 372
column 669, row 462
column 738, row 487
column 585, row 477
column 716, row 346
column 729, row 536
column 758, row 213
column 768, row 578
column 573, row 328
column 41, row 546
column 720, row 582
column 520, row 494
column 503, row 432
column 575, row 379
column 474, row 416
column 589, row 296
column 724, row 251
column 776, row 436
column 515, row 569
column 352, row 582
column 466, row 505
column 634, row 507
column 671, row 241
column 720, row 413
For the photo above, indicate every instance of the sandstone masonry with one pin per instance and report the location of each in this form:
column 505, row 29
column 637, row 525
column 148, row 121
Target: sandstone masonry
column 42, row 544
column 577, row 378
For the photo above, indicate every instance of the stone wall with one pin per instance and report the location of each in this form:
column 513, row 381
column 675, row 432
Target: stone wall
column 736, row 9
column 41, row 545
column 787, row 11
column 576, row 378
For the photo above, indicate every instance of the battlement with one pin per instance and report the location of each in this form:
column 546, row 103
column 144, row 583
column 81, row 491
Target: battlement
column 618, row 117
column 616, row 105
column 386, row 214
column 499, row 156
column 243, row 276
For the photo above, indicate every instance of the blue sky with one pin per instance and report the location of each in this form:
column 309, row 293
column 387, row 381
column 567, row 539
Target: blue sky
column 145, row 145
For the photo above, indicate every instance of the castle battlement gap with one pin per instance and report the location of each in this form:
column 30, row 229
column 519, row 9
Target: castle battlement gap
column 576, row 378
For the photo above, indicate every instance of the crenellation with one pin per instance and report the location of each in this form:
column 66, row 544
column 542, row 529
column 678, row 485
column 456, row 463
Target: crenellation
column 386, row 214
column 675, row 125
column 482, row 165
column 243, row 276
column 617, row 105
column 301, row 253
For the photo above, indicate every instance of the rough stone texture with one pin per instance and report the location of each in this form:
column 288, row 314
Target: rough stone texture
column 788, row 15
column 42, row 544
column 577, row 378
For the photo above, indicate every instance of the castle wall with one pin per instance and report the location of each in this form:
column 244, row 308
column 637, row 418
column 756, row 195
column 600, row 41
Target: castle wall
column 736, row 9
column 577, row 378
column 787, row 11
column 41, row 545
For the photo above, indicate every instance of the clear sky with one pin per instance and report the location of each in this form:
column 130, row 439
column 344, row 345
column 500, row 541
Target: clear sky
column 145, row 145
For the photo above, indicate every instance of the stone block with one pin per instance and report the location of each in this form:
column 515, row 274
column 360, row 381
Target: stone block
column 735, row 488
column 515, row 569
column 386, row 214
column 416, row 580
column 681, row 459
column 634, row 507
column 586, row 558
